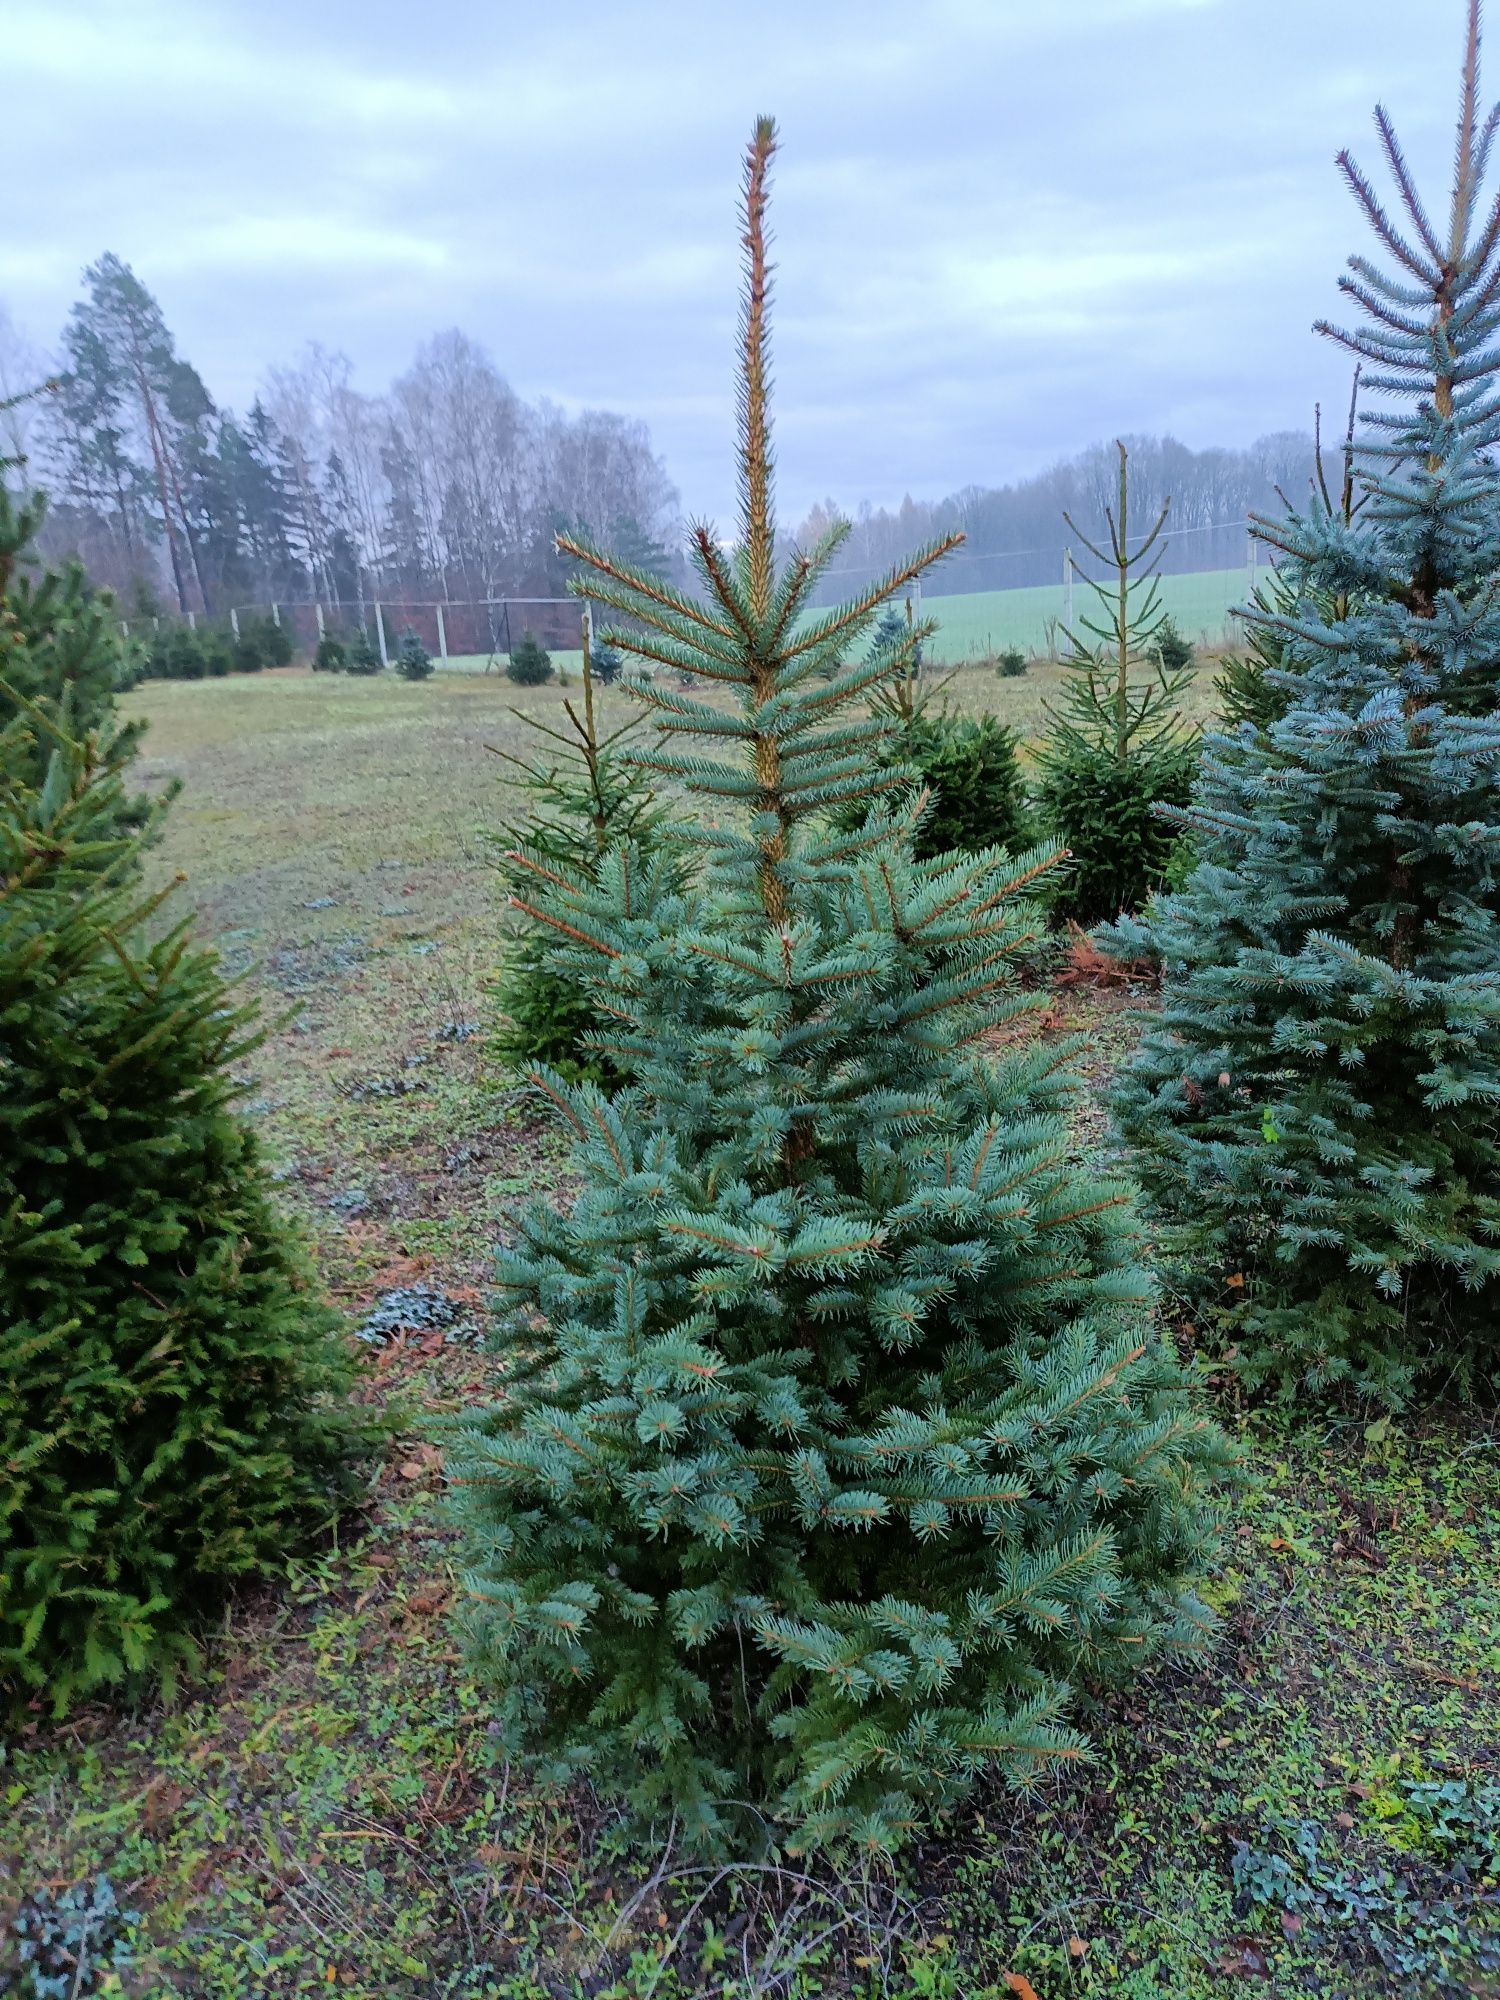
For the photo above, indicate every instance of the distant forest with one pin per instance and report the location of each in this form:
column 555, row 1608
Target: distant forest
column 1016, row 534
column 450, row 486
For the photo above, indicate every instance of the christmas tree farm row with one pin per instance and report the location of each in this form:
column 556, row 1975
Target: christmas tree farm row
column 839, row 1455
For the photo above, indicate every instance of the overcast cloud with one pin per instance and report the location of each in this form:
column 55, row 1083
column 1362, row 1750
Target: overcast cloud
column 1004, row 230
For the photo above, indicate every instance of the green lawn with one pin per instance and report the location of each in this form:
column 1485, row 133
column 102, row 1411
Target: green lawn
column 323, row 1810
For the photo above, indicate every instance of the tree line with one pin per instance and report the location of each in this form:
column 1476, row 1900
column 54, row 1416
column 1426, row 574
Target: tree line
column 1015, row 534
column 448, row 486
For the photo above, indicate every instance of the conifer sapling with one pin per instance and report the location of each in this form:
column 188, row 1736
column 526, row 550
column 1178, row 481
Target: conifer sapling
column 1118, row 746
column 172, row 1389
column 1318, row 1105
column 836, row 1442
column 582, row 797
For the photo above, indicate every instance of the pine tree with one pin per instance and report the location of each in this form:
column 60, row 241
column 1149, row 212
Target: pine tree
column 1317, row 1105
column 528, row 663
column 895, row 632
column 363, row 655
column 1118, row 747
column 582, row 799
column 605, row 664
column 413, row 661
column 969, row 766
column 60, row 649
column 331, row 655
column 118, row 344
column 172, row 1391
column 1257, row 686
column 836, row 1442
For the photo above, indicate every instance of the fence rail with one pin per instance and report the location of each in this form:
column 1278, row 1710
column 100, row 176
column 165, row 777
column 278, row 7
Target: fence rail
column 980, row 598
column 481, row 627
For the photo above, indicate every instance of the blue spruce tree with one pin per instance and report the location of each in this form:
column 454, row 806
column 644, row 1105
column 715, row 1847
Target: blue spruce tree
column 836, row 1441
column 1317, row 1105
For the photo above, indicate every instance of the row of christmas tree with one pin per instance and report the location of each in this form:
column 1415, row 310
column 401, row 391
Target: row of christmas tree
column 838, row 1449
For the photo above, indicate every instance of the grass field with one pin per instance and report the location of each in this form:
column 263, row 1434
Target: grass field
column 323, row 1811
column 978, row 624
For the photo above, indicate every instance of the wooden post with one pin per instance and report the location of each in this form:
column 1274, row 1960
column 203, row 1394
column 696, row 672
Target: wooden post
column 442, row 635
column 385, row 658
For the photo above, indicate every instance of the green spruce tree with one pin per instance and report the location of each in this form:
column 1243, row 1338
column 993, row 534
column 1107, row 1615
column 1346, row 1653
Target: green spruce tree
column 582, row 798
column 61, row 649
column 172, row 1390
column 363, row 655
column 413, row 661
column 528, row 663
column 1317, row 1106
column 968, row 765
column 836, row 1442
column 1118, row 747
column 1257, row 685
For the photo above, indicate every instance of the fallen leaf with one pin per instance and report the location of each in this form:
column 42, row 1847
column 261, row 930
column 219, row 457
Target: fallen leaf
column 1245, row 1959
column 1017, row 1982
column 1343, row 1821
column 1077, row 1946
column 1291, row 1923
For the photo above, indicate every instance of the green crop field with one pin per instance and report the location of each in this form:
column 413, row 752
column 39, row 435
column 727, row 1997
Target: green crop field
column 975, row 624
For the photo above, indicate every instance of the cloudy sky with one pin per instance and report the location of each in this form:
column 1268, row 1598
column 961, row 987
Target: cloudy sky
column 1006, row 228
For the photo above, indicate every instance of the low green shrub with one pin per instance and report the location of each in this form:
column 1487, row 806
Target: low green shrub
column 261, row 642
column 606, row 664
column 1011, row 664
column 217, row 649
column 331, row 655
column 363, row 655
column 177, row 651
column 1175, row 652
column 413, row 661
column 1104, row 812
column 969, row 764
column 529, row 664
